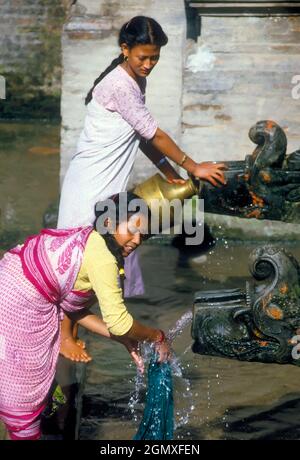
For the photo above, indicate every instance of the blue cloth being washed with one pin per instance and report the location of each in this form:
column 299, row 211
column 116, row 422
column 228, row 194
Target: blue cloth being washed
column 158, row 417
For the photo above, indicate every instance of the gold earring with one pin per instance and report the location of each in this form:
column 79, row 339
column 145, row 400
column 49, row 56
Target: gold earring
column 125, row 58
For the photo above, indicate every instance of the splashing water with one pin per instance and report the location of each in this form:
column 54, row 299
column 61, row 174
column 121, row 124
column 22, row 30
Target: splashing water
column 182, row 415
column 181, row 324
column 139, row 384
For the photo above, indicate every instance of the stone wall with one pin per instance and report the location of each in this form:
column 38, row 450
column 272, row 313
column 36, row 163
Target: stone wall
column 239, row 72
column 30, row 60
column 90, row 44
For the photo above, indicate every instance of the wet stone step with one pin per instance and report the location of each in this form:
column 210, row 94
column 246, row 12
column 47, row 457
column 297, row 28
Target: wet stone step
column 64, row 423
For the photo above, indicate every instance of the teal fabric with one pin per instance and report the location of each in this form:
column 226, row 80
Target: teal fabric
column 158, row 417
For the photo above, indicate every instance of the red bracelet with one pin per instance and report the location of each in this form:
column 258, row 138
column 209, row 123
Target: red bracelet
column 162, row 337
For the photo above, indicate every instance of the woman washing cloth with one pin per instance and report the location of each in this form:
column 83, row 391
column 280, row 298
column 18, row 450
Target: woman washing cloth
column 116, row 125
column 55, row 272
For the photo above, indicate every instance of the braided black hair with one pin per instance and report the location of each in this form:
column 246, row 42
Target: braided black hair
column 116, row 251
column 140, row 30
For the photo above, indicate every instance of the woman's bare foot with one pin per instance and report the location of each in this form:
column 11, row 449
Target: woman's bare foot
column 71, row 349
column 80, row 343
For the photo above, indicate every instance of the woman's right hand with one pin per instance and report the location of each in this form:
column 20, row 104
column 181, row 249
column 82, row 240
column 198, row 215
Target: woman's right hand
column 211, row 172
column 140, row 333
column 164, row 351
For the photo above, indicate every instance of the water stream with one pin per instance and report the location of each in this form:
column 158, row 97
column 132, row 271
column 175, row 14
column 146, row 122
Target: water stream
column 181, row 417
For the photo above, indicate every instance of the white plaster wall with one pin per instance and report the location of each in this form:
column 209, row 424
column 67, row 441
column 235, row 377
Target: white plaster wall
column 80, row 71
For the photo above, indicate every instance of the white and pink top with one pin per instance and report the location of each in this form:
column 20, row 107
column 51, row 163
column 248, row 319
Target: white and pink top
column 116, row 120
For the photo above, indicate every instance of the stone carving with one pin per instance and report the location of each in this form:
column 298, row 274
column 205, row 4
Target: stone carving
column 266, row 185
column 258, row 323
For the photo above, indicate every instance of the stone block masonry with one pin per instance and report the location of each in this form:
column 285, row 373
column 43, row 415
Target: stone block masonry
column 239, row 72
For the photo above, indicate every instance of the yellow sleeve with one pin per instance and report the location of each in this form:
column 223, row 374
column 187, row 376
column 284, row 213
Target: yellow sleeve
column 102, row 271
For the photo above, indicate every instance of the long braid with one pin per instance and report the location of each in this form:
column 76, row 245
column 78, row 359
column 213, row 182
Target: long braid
column 116, row 251
column 112, row 66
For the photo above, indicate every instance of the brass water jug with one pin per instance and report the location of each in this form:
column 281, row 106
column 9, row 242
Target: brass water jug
column 158, row 193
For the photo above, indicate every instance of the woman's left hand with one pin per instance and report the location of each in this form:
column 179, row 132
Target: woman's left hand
column 132, row 347
column 212, row 172
column 177, row 181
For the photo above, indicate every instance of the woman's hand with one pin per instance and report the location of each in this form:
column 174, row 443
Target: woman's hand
column 177, row 181
column 132, row 347
column 211, row 172
column 139, row 332
column 163, row 350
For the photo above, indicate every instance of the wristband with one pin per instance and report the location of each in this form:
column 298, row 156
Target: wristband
column 162, row 337
column 184, row 158
column 161, row 161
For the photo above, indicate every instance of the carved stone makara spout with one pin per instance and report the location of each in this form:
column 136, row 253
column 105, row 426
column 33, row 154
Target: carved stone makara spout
column 258, row 323
column 264, row 186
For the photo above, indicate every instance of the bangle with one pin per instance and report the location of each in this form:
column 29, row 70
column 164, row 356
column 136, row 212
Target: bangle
column 184, row 158
column 161, row 161
column 162, row 337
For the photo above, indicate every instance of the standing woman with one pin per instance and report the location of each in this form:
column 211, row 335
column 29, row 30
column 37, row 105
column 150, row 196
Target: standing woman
column 117, row 123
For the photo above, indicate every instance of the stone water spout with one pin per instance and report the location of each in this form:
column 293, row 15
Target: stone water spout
column 266, row 185
column 257, row 323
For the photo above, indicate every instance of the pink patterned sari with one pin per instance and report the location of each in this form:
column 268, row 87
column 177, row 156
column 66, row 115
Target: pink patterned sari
column 36, row 282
